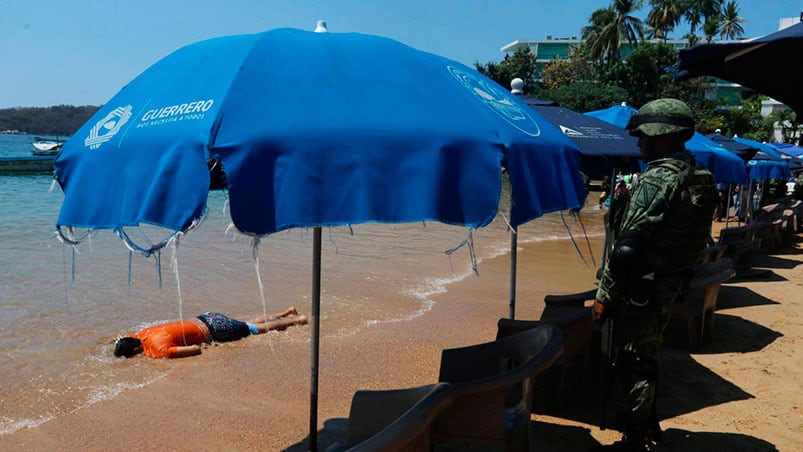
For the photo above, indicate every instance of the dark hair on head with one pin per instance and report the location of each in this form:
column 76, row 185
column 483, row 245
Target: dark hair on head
column 127, row 346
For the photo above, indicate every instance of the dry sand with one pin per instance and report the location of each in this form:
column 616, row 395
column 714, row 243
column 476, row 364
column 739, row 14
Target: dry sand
column 742, row 392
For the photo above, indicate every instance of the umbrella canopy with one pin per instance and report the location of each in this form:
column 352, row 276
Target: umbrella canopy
column 788, row 149
column 768, row 169
column 767, row 163
column 772, row 64
column 724, row 165
column 618, row 115
column 593, row 136
column 313, row 129
column 302, row 110
column 744, row 151
column 763, row 148
column 603, row 145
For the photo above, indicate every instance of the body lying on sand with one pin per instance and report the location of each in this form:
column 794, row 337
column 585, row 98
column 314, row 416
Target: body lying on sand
column 184, row 337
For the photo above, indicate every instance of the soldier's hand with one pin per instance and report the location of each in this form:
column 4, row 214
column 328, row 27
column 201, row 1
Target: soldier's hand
column 599, row 311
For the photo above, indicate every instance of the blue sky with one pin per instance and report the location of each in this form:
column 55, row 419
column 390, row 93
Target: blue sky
column 82, row 52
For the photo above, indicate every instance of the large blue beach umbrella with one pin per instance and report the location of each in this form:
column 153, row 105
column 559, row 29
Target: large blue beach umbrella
column 788, row 149
column 312, row 130
column 724, row 165
column 744, row 151
column 603, row 146
column 618, row 115
column 767, row 163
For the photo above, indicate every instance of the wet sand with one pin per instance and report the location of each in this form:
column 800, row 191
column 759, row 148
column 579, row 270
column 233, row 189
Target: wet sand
column 742, row 392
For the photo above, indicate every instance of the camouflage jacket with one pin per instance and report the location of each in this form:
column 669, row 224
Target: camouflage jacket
column 673, row 206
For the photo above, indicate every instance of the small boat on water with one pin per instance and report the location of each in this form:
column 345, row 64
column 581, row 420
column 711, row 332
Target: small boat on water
column 46, row 146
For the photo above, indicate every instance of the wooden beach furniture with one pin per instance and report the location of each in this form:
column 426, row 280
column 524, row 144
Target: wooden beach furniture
column 493, row 384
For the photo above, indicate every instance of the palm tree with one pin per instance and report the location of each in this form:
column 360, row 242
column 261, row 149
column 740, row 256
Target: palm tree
column 664, row 16
column 697, row 12
column 730, row 22
column 711, row 28
column 598, row 20
column 610, row 26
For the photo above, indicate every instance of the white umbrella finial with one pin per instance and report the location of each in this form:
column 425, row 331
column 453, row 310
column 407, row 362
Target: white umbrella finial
column 517, row 84
column 321, row 27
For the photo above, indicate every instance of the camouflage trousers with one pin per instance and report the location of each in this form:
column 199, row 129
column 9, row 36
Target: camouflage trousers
column 639, row 329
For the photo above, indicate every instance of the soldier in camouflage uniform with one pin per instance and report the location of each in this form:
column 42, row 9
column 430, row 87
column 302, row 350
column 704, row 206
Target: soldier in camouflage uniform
column 657, row 234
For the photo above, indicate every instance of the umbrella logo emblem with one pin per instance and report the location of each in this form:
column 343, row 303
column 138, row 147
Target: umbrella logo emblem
column 570, row 132
column 105, row 129
column 498, row 100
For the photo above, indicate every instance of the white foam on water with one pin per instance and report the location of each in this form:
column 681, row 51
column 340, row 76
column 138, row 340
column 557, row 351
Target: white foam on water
column 107, row 393
column 9, row 426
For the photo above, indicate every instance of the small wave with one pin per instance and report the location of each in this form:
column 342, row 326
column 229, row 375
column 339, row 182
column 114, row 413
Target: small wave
column 9, row 426
column 108, row 393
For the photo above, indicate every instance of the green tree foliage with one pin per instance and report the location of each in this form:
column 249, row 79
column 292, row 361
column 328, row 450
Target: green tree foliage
column 520, row 64
column 645, row 76
column 697, row 12
column 664, row 16
column 59, row 120
column 731, row 22
column 711, row 28
column 584, row 96
column 609, row 29
column 577, row 66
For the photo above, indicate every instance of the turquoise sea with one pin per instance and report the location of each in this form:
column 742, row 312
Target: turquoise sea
column 60, row 306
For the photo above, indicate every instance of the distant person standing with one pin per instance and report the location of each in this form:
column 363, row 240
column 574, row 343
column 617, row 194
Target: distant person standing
column 605, row 187
column 665, row 225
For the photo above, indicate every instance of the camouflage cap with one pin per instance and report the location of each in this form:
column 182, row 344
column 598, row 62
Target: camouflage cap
column 662, row 117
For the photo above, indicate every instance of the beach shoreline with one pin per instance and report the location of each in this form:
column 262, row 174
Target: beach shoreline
column 255, row 393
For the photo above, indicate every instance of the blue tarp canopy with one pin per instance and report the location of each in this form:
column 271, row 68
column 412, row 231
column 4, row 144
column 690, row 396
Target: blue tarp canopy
column 771, row 64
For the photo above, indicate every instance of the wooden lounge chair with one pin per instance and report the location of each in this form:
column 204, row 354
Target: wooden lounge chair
column 394, row 420
column 493, row 384
column 697, row 308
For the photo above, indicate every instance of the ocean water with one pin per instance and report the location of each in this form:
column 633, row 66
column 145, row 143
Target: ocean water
column 60, row 307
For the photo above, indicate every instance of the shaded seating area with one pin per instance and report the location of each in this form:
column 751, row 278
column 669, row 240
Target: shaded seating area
column 783, row 221
column 571, row 314
column 394, row 420
column 482, row 400
column 493, row 384
column 742, row 242
column 696, row 310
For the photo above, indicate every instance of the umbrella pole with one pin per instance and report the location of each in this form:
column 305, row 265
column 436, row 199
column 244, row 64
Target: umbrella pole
column 728, row 206
column 605, row 223
column 513, row 258
column 316, row 333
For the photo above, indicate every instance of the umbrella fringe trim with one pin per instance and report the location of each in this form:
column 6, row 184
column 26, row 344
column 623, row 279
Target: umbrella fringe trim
column 571, row 237
column 468, row 241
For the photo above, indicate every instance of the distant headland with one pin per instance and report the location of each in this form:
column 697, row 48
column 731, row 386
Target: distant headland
column 58, row 120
